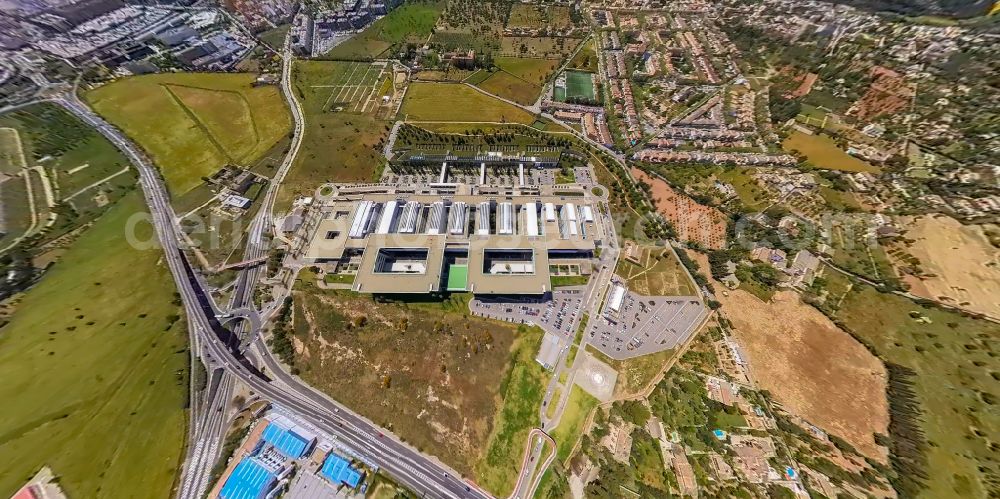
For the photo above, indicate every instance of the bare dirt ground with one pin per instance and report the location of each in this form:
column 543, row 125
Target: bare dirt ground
column 430, row 374
column 694, row 222
column 960, row 265
column 813, row 368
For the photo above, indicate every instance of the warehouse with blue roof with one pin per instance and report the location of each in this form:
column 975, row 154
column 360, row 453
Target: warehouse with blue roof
column 290, row 440
column 251, row 479
column 338, row 470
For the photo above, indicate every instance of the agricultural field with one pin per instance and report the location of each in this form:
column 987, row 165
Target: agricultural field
column 16, row 210
column 192, row 124
column 972, row 281
column 410, row 22
column 855, row 252
column 560, row 17
column 94, row 363
column 529, row 16
column 537, row 16
column 482, row 19
column 696, row 222
column 546, row 47
column 353, row 87
column 508, row 86
column 452, row 74
column 811, row 367
column 342, row 139
column 823, row 152
column 659, row 274
column 468, row 394
column 529, row 69
column 82, row 169
column 949, row 358
column 454, row 102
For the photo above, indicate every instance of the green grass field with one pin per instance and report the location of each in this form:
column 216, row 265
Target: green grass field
column 410, row 22
column 275, row 37
column 586, row 59
column 529, row 69
column 522, row 391
column 16, row 210
column 634, row 375
column 571, row 423
column 660, row 274
column 508, row 86
column 955, row 383
column 750, row 193
column 337, row 146
column 94, row 375
column 824, row 153
column 527, row 16
column 568, row 280
column 12, row 157
column 579, row 86
column 192, row 124
column 73, row 154
column 455, row 102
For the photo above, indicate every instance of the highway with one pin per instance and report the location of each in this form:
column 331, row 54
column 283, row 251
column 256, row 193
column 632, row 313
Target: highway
column 424, row 475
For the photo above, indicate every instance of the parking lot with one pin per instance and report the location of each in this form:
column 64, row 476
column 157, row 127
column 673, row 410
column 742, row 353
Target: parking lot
column 646, row 324
column 584, row 175
column 555, row 313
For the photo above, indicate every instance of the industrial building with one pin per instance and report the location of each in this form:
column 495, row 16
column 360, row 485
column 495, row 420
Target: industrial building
column 290, row 440
column 339, row 471
column 251, row 479
column 427, row 241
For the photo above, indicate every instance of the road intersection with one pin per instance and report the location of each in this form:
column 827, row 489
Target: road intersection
column 218, row 350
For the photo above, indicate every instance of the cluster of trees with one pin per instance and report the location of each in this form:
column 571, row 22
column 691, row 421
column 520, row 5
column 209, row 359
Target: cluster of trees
column 907, row 443
column 657, row 228
column 783, row 109
column 615, row 475
column 281, row 336
column 718, row 260
column 18, row 271
column 694, row 269
column 51, row 130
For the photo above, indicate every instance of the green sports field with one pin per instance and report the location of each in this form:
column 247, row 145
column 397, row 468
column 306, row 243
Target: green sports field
column 94, row 369
column 579, row 85
column 192, row 124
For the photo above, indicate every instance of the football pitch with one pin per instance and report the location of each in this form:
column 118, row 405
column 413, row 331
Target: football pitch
column 579, row 86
